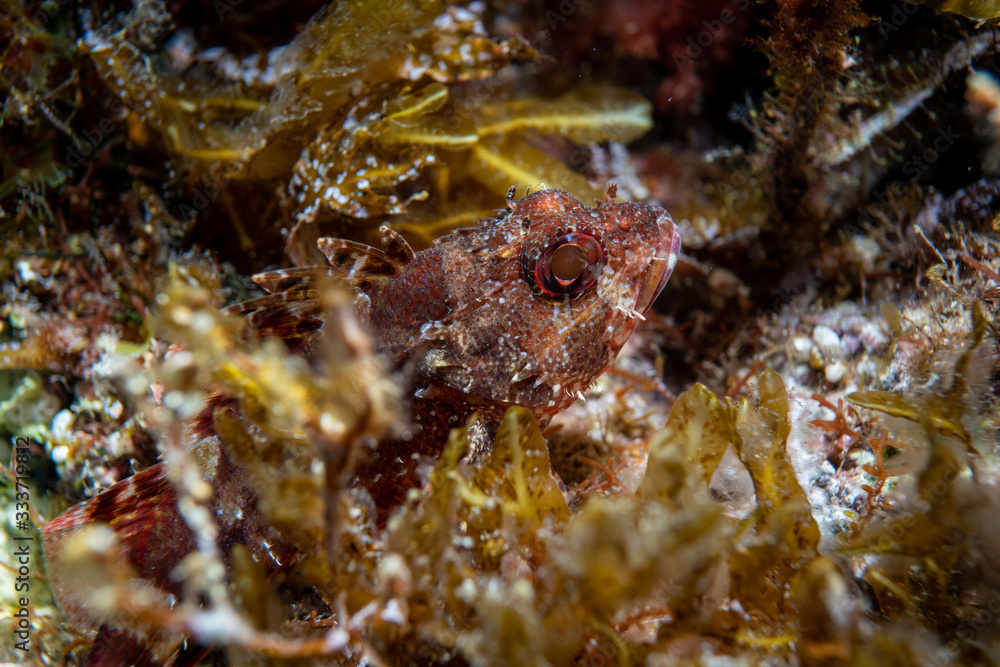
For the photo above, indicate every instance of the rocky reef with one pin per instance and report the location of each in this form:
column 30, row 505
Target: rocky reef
column 793, row 461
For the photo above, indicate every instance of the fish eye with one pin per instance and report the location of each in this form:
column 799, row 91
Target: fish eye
column 570, row 265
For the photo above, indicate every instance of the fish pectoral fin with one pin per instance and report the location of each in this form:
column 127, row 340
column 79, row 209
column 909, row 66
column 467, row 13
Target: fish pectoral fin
column 283, row 280
column 354, row 261
column 291, row 315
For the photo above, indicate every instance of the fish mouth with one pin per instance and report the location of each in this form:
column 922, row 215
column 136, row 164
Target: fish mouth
column 663, row 262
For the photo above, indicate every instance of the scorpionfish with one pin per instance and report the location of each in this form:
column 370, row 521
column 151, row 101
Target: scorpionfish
column 527, row 308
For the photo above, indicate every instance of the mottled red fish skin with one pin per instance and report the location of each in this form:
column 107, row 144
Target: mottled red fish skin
column 154, row 537
column 475, row 336
column 466, row 323
column 465, row 315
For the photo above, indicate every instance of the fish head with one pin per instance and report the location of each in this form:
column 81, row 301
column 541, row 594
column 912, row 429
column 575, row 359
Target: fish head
column 544, row 296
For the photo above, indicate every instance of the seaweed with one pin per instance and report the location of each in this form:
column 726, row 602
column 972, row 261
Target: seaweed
column 793, row 461
column 372, row 109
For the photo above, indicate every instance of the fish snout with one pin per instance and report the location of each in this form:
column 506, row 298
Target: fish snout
column 665, row 254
